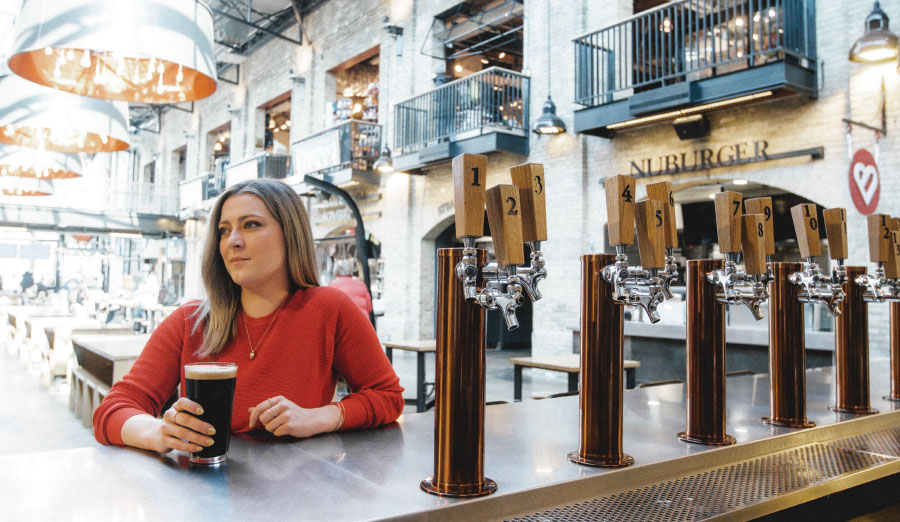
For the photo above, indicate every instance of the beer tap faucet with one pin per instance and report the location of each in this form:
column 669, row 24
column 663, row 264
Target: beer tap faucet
column 635, row 285
column 814, row 286
column 662, row 191
column 746, row 287
column 764, row 206
column 531, row 182
column 882, row 285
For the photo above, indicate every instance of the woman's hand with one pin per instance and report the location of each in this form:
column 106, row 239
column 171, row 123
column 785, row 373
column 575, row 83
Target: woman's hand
column 282, row 417
column 178, row 429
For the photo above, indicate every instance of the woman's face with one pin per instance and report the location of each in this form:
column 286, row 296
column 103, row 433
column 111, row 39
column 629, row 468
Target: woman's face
column 251, row 243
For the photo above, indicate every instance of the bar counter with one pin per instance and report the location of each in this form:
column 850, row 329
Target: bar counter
column 375, row 474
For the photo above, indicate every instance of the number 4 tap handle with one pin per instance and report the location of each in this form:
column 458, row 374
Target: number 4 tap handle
column 662, row 191
column 753, row 241
column 530, row 180
column 728, row 221
column 468, row 194
column 764, row 206
column 649, row 218
column 620, row 209
column 879, row 237
column 836, row 232
column 806, row 226
column 505, row 218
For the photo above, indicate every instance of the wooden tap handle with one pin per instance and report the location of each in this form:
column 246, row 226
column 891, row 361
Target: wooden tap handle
column 662, row 191
column 728, row 221
column 892, row 269
column 530, row 180
column 649, row 217
column 504, row 212
column 469, row 172
column 620, row 199
column 764, row 206
column 753, row 241
column 879, row 237
column 836, row 232
column 806, row 226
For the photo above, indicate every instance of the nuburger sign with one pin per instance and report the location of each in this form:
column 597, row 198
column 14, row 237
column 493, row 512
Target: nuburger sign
column 713, row 158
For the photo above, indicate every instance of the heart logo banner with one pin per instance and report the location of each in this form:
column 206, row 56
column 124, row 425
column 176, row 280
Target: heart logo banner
column 865, row 182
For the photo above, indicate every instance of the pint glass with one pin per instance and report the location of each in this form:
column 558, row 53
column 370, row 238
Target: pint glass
column 211, row 385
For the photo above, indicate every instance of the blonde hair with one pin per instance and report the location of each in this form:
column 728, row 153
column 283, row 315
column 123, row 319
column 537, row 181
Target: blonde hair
column 218, row 313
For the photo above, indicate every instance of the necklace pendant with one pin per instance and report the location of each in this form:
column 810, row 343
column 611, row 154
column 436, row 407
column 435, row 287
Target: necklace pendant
column 252, row 356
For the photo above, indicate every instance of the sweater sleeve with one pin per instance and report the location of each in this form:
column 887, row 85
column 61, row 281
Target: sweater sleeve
column 148, row 384
column 376, row 396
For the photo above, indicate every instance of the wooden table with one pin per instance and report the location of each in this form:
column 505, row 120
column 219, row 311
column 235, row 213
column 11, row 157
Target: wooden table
column 421, row 348
column 568, row 363
column 108, row 357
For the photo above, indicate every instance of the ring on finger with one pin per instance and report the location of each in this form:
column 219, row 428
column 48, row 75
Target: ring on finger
column 175, row 417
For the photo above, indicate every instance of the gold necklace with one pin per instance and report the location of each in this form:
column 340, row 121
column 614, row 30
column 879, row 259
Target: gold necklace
column 247, row 329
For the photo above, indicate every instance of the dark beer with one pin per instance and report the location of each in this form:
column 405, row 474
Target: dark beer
column 211, row 385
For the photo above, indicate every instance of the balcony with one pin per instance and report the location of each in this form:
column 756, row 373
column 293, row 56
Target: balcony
column 342, row 155
column 482, row 113
column 264, row 165
column 194, row 194
column 693, row 56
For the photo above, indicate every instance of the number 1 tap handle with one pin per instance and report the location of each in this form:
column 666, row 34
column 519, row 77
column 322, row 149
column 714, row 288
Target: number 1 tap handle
column 806, row 226
column 879, row 237
column 650, row 221
column 728, row 221
column 836, row 232
column 469, row 172
column 753, row 242
column 505, row 217
column 662, row 191
column 620, row 198
column 530, row 180
column 764, row 206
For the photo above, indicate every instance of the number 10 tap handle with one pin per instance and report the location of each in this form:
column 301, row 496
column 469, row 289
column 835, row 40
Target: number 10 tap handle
column 806, row 226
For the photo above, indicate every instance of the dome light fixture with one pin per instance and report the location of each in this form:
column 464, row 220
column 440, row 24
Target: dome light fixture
column 29, row 163
column 384, row 163
column 142, row 51
column 549, row 122
column 878, row 44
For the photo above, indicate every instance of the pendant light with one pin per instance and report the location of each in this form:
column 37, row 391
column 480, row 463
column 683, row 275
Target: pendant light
column 878, row 44
column 14, row 186
column 549, row 122
column 384, row 163
column 143, row 51
column 31, row 163
column 41, row 118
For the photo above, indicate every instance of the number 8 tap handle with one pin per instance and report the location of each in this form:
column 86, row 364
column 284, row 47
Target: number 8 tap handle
column 806, row 226
column 469, row 172
column 620, row 191
column 728, row 223
column 651, row 234
column 753, row 242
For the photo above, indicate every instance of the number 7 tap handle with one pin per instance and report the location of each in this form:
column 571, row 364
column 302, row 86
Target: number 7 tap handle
column 753, row 242
column 469, row 172
column 806, row 226
column 764, row 206
column 879, row 237
column 620, row 198
column 662, row 191
column 505, row 217
column 650, row 222
column 836, row 232
column 531, row 182
column 728, row 221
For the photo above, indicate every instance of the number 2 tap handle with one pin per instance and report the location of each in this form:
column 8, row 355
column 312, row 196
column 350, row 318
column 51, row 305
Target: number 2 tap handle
column 530, row 180
column 879, row 237
column 469, row 172
column 620, row 198
column 764, row 206
column 728, row 221
column 836, row 232
column 806, row 226
column 649, row 218
column 753, row 242
column 662, row 191
column 505, row 218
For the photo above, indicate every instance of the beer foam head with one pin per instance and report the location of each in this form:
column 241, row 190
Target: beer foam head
column 209, row 372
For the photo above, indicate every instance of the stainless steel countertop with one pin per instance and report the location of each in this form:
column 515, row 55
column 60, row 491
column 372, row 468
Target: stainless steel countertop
column 376, row 473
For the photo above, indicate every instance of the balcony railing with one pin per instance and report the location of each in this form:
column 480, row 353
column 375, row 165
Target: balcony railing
column 690, row 40
column 352, row 144
column 491, row 100
column 194, row 191
column 264, row 165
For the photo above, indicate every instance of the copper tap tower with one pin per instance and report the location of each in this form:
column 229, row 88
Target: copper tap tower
column 851, row 349
column 895, row 352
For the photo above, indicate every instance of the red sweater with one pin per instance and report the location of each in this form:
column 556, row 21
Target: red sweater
column 318, row 335
column 356, row 290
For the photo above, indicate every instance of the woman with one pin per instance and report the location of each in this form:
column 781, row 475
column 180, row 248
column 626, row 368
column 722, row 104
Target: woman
column 265, row 311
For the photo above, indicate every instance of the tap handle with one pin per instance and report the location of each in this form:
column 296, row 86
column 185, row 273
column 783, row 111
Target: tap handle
column 650, row 223
column 764, row 206
column 806, row 226
column 620, row 199
column 469, row 173
column 836, row 231
column 879, row 237
column 662, row 191
column 505, row 219
column 530, row 180
column 728, row 221
column 753, row 241
column 892, row 264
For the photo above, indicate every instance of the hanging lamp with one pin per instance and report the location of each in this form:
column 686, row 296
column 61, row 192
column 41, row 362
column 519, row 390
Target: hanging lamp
column 878, row 44
column 14, row 186
column 31, row 163
column 40, row 118
column 143, row 51
column 384, row 163
column 549, row 122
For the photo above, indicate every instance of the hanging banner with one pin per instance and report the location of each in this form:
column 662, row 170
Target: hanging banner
column 865, row 182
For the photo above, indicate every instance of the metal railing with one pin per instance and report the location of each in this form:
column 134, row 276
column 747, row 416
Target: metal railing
column 351, row 144
column 493, row 99
column 200, row 188
column 690, row 40
column 262, row 165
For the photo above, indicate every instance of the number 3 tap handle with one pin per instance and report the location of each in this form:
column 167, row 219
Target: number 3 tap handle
column 806, row 226
column 530, row 180
column 895, row 246
column 662, row 191
column 728, row 221
column 753, row 241
column 892, row 264
column 764, row 206
column 469, row 172
column 620, row 209
column 836, row 232
column 879, row 237
column 650, row 221
column 505, row 217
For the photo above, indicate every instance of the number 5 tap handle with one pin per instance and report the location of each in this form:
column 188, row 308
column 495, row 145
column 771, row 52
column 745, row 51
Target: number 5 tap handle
column 469, row 172
column 753, row 242
column 620, row 199
column 806, row 226
column 764, row 206
column 728, row 221
column 530, row 180
column 836, row 232
column 505, row 217
column 650, row 221
column 662, row 191
column 879, row 237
